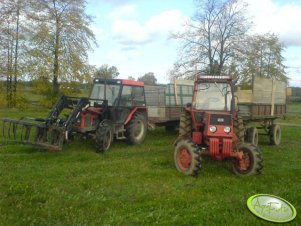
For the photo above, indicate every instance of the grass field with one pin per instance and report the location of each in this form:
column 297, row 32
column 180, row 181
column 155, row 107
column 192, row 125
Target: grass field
column 139, row 185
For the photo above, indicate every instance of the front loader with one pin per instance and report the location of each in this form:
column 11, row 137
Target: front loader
column 210, row 126
column 115, row 110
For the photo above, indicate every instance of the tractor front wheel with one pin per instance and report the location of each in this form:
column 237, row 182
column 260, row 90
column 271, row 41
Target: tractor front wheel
column 187, row 158
column 136, row 129
column 104, row 137
column 249, row 160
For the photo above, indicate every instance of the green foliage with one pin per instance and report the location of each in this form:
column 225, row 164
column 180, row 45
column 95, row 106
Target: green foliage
column 148, row 79
column 2, row 95
column 41, row 85
column 106, row 72
column 70, row 88
column 139, row 185
column 21, row 102
column 262, row 55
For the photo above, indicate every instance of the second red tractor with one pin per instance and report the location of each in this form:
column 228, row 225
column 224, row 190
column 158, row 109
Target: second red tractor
column 211, row 126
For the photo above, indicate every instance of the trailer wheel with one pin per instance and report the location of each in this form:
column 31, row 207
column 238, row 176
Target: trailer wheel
column 185, row 128
column 104, row 137
column 275, row 134
column 239, row 129
column 249, row 162
column 136, row 129
column 187, row 158
column 252, row 135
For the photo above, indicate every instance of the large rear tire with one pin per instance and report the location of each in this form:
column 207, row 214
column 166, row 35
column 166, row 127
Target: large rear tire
column 251, row 162
column 239, row 129
column 185, row 128
column 136, row 129
column 187, row 158
column 275, row 134
column 104, row 137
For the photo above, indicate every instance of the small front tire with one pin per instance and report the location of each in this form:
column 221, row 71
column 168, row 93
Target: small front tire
column 250, row 161
column 187, row 158
column 104, row 137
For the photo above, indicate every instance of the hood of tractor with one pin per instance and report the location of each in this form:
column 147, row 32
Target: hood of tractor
column 217, row 124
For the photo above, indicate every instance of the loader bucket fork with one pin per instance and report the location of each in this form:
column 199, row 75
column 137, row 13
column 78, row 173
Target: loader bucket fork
column 48, row 133
column 29, row 132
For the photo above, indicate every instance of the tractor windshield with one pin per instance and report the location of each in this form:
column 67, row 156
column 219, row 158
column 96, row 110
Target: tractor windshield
column 213, row 96
column 112, row 92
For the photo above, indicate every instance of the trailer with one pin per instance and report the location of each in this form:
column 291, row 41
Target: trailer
column 260, row 107
column 165, row 102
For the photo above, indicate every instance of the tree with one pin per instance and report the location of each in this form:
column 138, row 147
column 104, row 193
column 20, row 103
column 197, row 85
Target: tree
column 212, row 36
column 106, row 72
column 262, row 56
column 60, row 41
column 131, row 78
column 148, row 79
column 9, row 45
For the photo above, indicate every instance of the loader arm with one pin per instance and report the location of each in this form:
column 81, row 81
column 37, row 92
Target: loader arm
column 47, row 133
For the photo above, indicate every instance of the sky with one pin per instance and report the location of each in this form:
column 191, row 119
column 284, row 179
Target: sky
column 134, row 35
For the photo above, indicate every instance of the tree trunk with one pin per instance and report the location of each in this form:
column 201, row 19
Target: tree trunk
column 55, row 84
column 9, row 70
column 14, row 91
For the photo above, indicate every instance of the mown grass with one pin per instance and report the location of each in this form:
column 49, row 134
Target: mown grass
column 138, row 185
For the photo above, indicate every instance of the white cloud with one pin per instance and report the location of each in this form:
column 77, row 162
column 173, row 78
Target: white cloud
column 282, row 20
column 128, row 29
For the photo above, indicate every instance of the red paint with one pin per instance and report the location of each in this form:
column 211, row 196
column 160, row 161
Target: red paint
column 184, row 158
column 130, row 115
column 227, row 148
column 91, row 114
column 214, row 148
column 197, row 137
column 132, row 83
column 220, row 131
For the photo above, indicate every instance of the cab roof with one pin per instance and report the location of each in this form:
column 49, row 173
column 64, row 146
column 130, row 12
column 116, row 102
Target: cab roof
column 118, row 82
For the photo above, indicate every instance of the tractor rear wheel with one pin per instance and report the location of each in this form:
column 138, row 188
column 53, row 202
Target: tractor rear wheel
column 252, row 135
column 187, row 157
column 185, row 128
column 251, row 161
column 136, row 129
column 104, row 136
column 275, row 134
column 239, row 129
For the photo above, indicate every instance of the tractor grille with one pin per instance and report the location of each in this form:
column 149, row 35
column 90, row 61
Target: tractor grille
column 220, row 120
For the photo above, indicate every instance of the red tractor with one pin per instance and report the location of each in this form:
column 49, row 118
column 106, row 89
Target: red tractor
column 211, row 126
column 115, row 109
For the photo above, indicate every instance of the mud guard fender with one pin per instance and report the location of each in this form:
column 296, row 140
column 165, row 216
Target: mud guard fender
column 130, row 115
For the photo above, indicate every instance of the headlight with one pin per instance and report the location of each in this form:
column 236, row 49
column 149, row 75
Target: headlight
column 212, row 129
column 227, row 129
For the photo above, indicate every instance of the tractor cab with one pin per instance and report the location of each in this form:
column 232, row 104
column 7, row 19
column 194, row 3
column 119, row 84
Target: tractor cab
column 122, row 97
column 212, row 95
